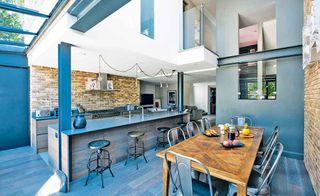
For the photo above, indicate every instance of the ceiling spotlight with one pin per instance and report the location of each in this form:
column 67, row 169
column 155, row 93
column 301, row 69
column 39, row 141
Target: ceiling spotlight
column 160, row 85
column 167, row 85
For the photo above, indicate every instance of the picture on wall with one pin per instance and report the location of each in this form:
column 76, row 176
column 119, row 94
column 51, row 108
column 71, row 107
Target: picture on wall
column 110, row 85
column 171, row 97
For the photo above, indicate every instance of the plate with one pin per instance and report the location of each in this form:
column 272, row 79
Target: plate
column 240, row 144
column 247, row 136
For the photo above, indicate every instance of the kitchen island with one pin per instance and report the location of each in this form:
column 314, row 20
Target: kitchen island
column 75, row 151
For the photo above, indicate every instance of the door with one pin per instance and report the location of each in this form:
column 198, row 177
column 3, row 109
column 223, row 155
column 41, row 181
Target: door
column 14, row 107
column 213, row 101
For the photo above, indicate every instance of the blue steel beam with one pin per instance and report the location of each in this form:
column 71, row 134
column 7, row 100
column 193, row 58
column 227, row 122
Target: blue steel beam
column 90, row 13
column 15, row 30
column 13, row 43
column 180, row 91
column 64, row 92
column 23, row 10
column 261, row 56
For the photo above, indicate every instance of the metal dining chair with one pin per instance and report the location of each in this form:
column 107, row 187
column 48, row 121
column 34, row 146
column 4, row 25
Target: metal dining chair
column 260, row 183
column 175, row 135
column 206, row 124
column 264, row 148
column 241, row 120
column 185, row 185
column 193, row 129
column 261, row 161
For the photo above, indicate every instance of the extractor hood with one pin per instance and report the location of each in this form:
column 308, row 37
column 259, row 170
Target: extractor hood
column 101, row 83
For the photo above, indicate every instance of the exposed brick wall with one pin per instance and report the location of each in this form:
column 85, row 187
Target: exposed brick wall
column 312, row 118
column 44, row 90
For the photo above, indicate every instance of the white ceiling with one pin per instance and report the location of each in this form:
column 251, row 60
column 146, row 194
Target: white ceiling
column 118, row 40
column 205, row 75
column 248, row 36
column 260, row 14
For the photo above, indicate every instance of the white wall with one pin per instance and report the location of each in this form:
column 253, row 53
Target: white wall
column 228, row 22
column 201, row 95
column 269, row 35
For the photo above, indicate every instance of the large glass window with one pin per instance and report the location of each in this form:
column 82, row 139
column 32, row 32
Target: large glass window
column 147, row 18
column 258, row 80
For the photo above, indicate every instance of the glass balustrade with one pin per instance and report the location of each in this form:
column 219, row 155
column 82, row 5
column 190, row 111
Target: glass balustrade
column 199, row 28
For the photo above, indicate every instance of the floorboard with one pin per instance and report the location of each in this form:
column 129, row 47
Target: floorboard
column 23, row 172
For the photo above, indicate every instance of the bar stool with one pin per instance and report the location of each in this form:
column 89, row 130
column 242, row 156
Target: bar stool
column 183, row 126
column 138, row 147
column 161, row 138
column 101, row 158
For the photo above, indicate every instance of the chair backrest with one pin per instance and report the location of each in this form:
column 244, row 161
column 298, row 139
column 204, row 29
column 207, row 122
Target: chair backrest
column 267, row 180
column 241, row 120
column 193, row 129
column 206, row 123
column 268, row 152
column 184, row 185
column 274, row 132
column 175, row 135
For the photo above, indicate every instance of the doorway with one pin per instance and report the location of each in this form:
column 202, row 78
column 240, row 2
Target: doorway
column 212, row 105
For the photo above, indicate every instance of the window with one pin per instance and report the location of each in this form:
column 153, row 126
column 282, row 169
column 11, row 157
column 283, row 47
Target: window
column 257, row 80
column 147, row 18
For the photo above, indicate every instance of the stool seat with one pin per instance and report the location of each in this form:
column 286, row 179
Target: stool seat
column 137, row 149
column 98, row 144
column 163, row 129
column 135, row 134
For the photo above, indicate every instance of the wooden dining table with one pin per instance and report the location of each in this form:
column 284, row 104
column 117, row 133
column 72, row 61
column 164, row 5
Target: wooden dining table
column 230, row 164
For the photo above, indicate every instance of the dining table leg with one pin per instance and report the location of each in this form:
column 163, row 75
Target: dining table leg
column 166, row 177
column 242, row 190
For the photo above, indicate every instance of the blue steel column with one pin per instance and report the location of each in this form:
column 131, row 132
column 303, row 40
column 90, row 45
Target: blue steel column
column 180, row 91
column 64, row 91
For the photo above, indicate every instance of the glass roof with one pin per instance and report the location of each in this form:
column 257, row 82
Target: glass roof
column 42, row 6
column 21, row 22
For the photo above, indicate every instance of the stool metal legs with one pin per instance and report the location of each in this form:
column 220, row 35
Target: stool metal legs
column 161, row 140
column 100, row 160
column 137, row 152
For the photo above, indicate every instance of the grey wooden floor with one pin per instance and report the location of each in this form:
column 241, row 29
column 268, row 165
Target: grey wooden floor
column 22, row 172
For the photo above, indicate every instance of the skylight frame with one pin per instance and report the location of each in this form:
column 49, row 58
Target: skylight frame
column 17, row 46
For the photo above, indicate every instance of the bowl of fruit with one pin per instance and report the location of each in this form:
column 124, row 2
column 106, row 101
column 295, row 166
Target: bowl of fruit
column 232, row 144
column 211, row 133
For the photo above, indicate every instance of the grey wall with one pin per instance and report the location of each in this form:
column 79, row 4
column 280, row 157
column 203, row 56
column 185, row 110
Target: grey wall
column 289, row 15
column 14, row 101
column 164, row 96
column 147, row 88
column 287, row 110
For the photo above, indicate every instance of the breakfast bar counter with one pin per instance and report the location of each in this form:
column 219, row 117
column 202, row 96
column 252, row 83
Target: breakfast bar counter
column 74, row 148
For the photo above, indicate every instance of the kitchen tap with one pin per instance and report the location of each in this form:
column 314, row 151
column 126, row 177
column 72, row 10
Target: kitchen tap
column 142, row 110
